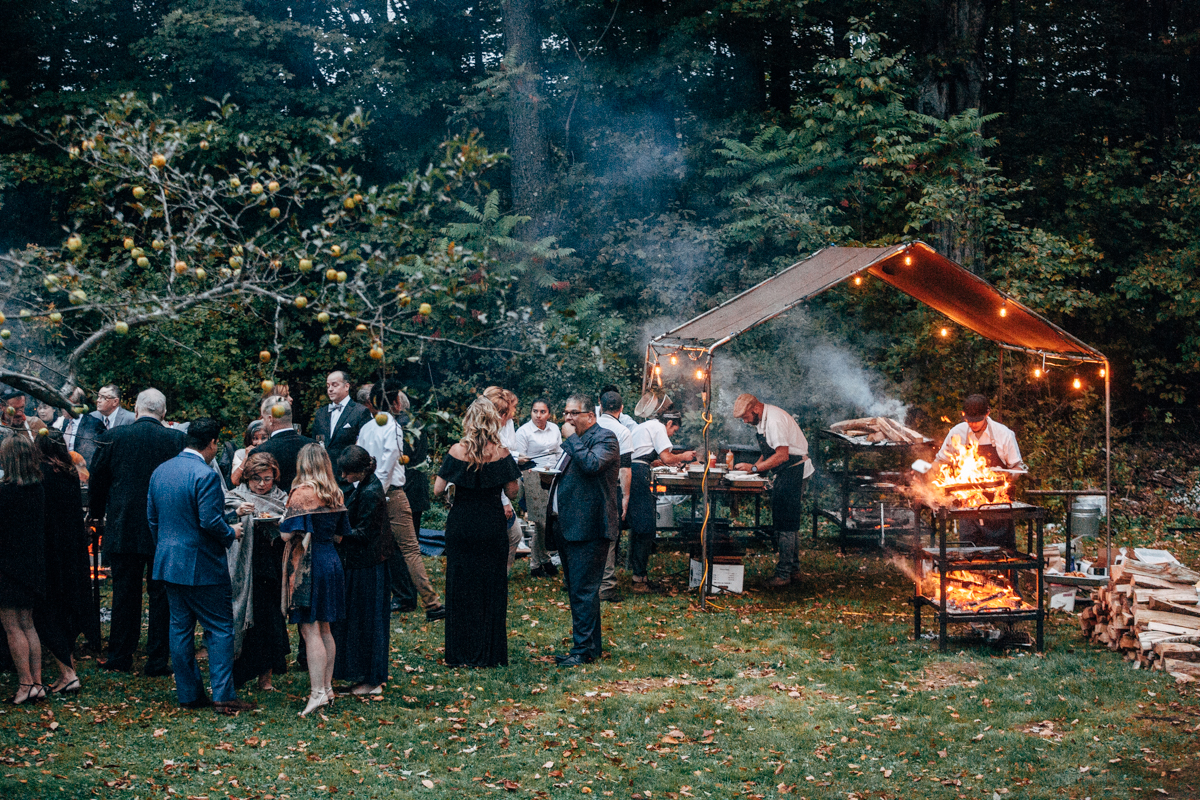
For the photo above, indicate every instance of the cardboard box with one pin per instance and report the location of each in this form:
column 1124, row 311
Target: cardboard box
column 726, row 577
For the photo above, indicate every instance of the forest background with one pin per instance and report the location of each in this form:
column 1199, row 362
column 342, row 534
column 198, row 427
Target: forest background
column 524, row 192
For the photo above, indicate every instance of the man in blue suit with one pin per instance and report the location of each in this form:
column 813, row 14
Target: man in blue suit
column 585, row 514
column 186, row 512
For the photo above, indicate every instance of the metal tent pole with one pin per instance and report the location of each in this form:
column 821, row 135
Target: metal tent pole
column 1108, row 509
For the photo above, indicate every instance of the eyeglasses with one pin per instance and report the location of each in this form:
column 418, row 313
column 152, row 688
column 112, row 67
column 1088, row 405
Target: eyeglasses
column 106, row 397
column 576, row 413
column 261, row 479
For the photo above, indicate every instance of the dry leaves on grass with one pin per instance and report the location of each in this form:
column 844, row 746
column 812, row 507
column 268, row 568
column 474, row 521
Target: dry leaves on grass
column 748, row 702
column 1044, row 729
column 944, row 674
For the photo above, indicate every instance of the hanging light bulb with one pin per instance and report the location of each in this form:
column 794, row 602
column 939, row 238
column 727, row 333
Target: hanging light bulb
column 1004, row 311
column 908, row 261
column 699, row 374
column 657, row 369
column 1037, row 372
column 674, row 359
column 858, row 280
column 1103, row 372
column 945, row 332
column 1076, row 383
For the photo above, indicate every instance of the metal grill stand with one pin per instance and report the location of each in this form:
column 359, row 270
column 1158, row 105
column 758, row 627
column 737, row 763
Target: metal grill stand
column 949, row 559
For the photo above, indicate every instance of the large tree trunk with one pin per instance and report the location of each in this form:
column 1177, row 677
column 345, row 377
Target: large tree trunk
column 529, row 148
column 953, row 84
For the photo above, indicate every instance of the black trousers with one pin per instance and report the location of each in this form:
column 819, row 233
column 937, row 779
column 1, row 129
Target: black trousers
column 125, row 631
column 583, row 568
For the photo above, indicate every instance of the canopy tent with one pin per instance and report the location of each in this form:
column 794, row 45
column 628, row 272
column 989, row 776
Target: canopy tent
column 914, row 268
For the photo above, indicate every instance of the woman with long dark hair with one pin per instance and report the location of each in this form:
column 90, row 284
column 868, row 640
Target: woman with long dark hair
column 477, row 540
column 22, row 562
column 314, row 585
column 60, row 618
column 362, row 637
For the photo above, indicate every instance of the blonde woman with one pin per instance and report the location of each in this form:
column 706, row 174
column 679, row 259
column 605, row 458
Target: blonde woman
column 314, row 586
column 480, row 468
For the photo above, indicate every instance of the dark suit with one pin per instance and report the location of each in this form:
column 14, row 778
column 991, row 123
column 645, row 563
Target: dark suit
column 87, row 432
column 285, row 445
column 349, row 422
column 588, row 518
column 125, row 458
column 185, row 511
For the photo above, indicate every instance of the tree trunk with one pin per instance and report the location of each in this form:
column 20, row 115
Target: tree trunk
column 529, row 148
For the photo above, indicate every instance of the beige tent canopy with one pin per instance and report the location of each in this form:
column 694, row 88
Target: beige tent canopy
column 914, row 268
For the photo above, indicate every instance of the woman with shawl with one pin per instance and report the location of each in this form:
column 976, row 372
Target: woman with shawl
column 314, row 588
column 260, row 638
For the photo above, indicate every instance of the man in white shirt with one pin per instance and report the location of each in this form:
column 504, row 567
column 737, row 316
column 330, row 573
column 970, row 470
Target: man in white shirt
column 784, row 450
column 997, row 443
column 337, row 424
column 386, row 445
column 651, row 446
column 539, row 444
column 623, row 418
column 609, row 418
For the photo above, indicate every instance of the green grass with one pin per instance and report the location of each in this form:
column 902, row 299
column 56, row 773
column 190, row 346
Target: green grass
column 818, row 691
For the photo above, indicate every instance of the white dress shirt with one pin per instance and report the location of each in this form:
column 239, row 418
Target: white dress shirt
column 543, row 443
column 624, row 437
column 384, row 443
column 335, row 413
column 778, row 427
column 649, row 439
column 1002, row 437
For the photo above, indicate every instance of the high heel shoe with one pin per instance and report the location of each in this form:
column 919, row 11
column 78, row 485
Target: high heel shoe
column 70, row 687
column 315, row 701
column 31, row 696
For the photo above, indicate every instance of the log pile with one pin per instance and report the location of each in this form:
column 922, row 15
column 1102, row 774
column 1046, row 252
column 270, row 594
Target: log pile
column 1151, row 613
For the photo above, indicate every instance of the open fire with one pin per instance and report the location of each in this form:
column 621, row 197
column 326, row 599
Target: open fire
column 974, row 592
column 968, row 482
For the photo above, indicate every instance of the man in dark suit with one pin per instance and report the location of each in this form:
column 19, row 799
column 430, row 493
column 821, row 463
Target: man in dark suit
column 284, row 443
column 126, row 457
column 585, row 515
column 108, row 408
column 338, row 424
column 82, row 431
column 186, row 515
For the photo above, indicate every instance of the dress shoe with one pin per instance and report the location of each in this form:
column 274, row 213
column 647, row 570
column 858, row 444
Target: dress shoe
column 539, row 572
column 573, row 660
column 157, row 672
column 610, row 598
column 402, row 608
column 202, row 702
column 434, row 614
column 116, row 666
column 779, row 581
column 551, row 570
column 231, row 707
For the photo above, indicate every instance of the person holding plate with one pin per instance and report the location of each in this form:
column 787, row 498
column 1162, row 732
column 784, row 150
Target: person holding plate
column 539, row 442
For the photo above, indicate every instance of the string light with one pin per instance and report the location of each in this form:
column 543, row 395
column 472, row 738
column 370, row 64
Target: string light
column 908, row 261
column 657, row 369
column 1037, row 372
column 858, row 280
column 1004, row 311
column 945, row 332
column 699, row 374
column 674, row 359
column 1103, row 372
column 1076, row 383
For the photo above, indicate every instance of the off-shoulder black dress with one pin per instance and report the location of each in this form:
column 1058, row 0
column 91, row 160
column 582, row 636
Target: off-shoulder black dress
column 477, row 563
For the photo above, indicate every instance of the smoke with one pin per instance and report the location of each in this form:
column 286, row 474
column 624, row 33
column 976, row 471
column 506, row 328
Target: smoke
column 841, row 374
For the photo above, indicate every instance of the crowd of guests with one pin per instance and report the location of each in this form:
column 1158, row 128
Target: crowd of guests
column 314, row 531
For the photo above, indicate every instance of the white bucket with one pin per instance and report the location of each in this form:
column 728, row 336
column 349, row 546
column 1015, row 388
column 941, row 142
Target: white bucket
column 664, row 513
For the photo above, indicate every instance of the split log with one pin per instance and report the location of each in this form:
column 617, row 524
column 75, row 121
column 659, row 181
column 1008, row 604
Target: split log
column 1162, row 605
column 1177, row 667
column 1176, row 573
column 1180, row 596
column 1166, row 621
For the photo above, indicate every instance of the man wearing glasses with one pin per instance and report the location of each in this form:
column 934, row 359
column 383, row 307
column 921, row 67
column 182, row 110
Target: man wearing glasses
column 108, row 408
column 585, row 514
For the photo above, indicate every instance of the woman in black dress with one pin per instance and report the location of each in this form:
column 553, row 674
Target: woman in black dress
column 60, row 618
column 480, row 468
column 260, row 632
column 362, row 637
column 22, row 562
column 315, row 588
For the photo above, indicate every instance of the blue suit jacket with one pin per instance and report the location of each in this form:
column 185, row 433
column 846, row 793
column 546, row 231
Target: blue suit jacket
column 589, row 493
column 186, row 512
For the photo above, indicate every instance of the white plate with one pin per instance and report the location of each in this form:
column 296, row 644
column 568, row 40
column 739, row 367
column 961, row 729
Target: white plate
column 546, row 471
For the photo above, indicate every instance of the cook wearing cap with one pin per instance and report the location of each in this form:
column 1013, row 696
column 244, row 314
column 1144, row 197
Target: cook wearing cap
column 785, row 454
column 651, row 447
column 997, row 443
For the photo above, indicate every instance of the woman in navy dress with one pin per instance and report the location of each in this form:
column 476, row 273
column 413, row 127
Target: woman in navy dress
column 22, row 562
column 480, row 468
column 316, row 519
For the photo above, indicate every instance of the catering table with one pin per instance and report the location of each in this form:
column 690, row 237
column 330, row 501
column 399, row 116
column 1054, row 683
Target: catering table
column 731, row 494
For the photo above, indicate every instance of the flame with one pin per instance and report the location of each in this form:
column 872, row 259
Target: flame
column 959, row 478
column 970, row 592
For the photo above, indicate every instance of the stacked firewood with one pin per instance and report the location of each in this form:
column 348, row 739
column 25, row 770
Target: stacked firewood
column 1151, row 612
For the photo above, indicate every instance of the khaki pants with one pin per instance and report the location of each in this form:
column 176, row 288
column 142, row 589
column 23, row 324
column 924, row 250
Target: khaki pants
column 400, row 517
column 536, row 499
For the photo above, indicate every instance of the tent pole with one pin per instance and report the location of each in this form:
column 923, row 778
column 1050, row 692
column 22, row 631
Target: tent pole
column 705, row 556
column 1108, row 509
column 1000, row 394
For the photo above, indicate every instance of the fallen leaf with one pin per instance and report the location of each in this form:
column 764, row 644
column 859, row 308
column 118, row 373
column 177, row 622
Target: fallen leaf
column 428, row 784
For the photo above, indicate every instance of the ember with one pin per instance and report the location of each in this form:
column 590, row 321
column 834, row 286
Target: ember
column 968, row 481
column 974, row 592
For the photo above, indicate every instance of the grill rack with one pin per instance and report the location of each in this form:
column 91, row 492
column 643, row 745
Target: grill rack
column 965, row 557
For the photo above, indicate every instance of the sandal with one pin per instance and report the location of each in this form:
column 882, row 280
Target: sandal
column 70, row 687
column 318, row 700
column 29, row 696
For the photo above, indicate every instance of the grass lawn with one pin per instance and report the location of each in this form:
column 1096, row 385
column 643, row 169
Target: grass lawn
column 817, row 691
